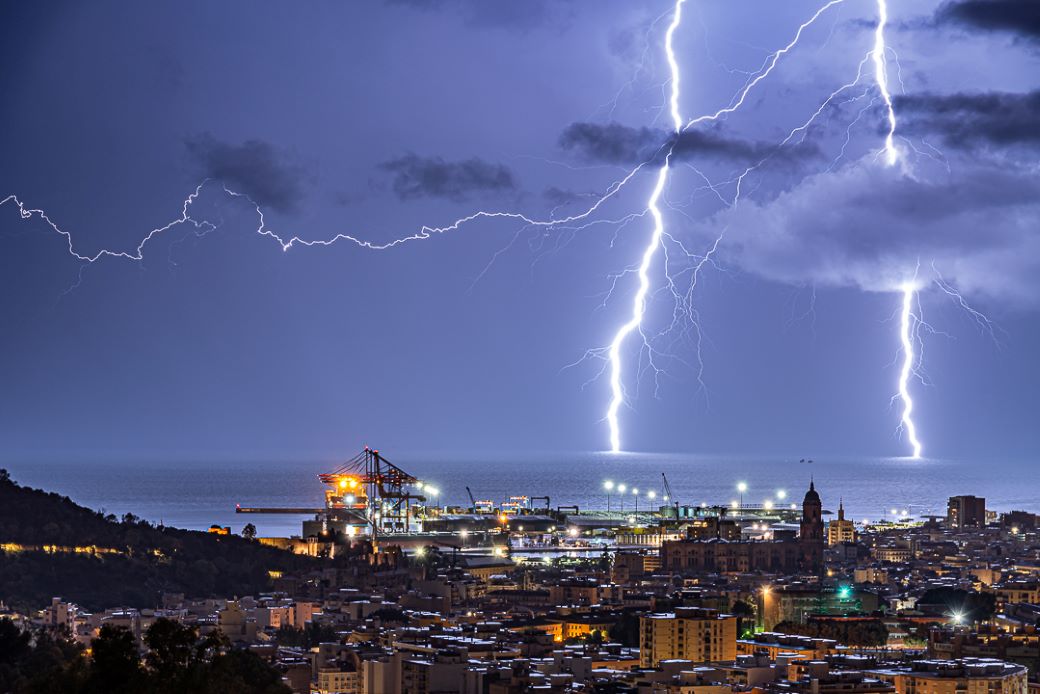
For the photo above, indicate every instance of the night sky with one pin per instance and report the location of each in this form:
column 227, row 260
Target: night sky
column 373, row 119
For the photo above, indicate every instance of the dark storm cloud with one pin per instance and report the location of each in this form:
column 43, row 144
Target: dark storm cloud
column 433, row 177
column 968, row 120
column 254, row 168
column 869, row 226
column 1017, row 17
column 614, row 143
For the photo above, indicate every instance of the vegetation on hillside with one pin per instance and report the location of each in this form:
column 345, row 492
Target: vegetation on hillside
column 50, row 546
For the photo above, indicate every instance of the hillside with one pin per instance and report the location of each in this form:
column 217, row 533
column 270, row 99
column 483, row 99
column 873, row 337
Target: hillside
column 51, row 546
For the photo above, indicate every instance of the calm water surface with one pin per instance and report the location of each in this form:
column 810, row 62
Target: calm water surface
column 196, row 495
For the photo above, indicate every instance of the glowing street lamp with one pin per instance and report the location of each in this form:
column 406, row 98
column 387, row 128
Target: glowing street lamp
column 741, row 488
column 781, row 494
column 635, row 493
column 622, row 488
column 609, row 486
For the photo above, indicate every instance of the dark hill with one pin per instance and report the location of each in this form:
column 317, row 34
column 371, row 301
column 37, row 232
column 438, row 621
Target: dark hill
column 134, row 561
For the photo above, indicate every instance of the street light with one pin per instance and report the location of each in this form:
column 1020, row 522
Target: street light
column 741, row 487
column 635, row 493
column 609, row 486
column 621, row 488
column 781, row 494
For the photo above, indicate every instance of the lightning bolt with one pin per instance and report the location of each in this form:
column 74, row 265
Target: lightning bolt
column 639, row 301
column 908, row 323
column 881, row 78
column 660, row 240
column 683, row 299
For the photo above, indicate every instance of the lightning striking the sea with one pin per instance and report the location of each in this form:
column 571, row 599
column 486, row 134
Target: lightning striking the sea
column 639, row 301
column 661, row 242
column 908, row 323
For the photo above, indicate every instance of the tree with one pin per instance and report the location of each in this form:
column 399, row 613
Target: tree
column 969, row 606
column 867, row 633
column 14, row 643
column 249, row 532
column 14, row 647
column 314, row 634
column 115, row 664
column 171, row 648
column 626, row 630
column 745, row 614
column 240, row 672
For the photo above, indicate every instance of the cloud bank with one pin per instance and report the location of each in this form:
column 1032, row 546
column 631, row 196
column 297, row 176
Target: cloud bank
column 433, row 177
column 868, row 226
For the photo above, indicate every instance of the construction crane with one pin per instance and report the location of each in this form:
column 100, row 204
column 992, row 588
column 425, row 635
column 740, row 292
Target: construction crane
column 669, row 495
column 472, row 501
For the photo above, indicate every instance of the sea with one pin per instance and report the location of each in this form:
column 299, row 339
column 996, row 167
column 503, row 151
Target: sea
column 196, row 495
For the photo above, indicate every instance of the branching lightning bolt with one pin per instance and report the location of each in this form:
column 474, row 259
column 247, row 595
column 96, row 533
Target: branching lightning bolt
column 639, row 301
column 680, row 263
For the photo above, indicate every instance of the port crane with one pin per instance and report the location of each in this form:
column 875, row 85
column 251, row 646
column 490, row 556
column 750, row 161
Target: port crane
column 669, row 495
column 373, row 485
